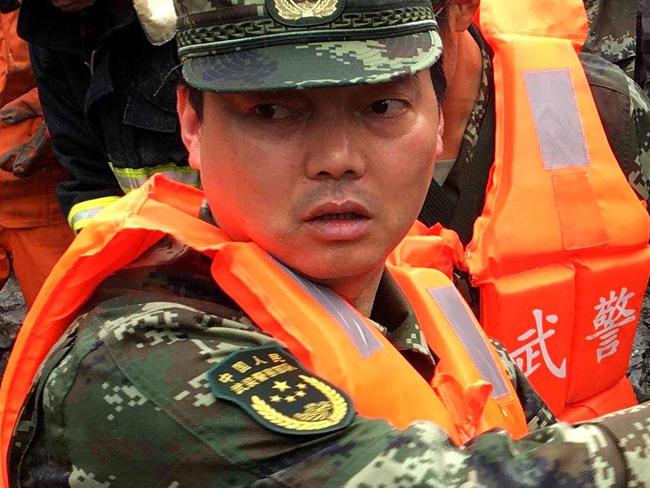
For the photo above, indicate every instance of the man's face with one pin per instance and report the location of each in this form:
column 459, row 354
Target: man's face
column 327, row 181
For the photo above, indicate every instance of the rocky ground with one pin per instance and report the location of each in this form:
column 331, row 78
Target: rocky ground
column 12, row 312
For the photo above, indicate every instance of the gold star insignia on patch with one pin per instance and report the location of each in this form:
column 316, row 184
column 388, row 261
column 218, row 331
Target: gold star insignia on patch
column 276, row 398
column 301, row 386
column 281, row 386
column 290, row 398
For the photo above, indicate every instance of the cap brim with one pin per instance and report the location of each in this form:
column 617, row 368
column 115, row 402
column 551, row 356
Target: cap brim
column 313, row 65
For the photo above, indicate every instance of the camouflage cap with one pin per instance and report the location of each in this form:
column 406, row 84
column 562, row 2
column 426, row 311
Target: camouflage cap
column 251, row 45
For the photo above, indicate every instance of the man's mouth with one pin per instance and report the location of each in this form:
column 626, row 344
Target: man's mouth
column 339, row 216
column 345, row 221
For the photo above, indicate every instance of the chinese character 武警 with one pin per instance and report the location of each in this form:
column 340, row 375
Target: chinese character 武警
column 612, row 314
column 527, row 355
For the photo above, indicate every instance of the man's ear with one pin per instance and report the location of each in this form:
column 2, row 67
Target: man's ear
column 190, row 126
column 461, row 13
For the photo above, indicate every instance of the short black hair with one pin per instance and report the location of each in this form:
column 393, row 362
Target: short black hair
column 437, row 77
column 442, row 17
column 196, row 99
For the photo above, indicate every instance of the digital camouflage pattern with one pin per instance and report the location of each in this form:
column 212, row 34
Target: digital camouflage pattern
column 639, row 104
column 231, row 46
column 612, row 31
column 642, row 65
column 124, row 400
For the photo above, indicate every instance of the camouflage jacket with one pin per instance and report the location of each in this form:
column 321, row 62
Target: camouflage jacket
column 124, row 400
column 612, row 31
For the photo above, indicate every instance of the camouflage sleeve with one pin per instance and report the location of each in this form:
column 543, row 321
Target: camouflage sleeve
column 612, row 31
column 588, row 455
column 624, row 110
column 537, row 413
column 640, row 116
column 131, row 405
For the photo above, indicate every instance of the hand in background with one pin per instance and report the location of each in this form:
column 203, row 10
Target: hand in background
column 28, row 158
column 24, row 108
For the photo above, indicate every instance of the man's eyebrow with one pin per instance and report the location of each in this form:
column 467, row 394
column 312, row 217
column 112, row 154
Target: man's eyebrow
column 261, row 95
column 403, row 80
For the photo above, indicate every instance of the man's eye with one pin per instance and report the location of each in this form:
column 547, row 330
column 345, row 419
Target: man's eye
column 272, row 111
column 387, row 108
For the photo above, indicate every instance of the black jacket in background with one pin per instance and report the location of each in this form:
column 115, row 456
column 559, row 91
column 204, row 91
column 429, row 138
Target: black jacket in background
column 108, row 96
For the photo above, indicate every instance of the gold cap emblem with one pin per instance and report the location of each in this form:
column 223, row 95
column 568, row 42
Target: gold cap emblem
column 305, row 12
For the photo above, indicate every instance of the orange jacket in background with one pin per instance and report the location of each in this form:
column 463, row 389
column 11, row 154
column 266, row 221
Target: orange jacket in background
column 33, row 233
column 24, row 202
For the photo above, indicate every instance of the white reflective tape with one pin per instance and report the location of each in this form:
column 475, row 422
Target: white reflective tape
column 81, row 213
column 131, row 179
column 555, row 111
column 451, row 304
column 342, row 312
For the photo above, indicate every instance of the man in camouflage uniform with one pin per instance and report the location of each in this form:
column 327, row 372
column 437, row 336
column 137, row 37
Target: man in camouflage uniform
column 456, row 195
column 612, row 31
column 124, row 399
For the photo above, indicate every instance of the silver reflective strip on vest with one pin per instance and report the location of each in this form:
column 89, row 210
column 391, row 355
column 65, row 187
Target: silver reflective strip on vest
column 451, row 304
column 130, row 183
column 83, row 215
column 557, row 119
column 188, row 178
column 131, row 179
column 342, row 312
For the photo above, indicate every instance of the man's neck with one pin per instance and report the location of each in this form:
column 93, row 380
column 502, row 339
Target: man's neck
column 359, row 291
column 462, row 91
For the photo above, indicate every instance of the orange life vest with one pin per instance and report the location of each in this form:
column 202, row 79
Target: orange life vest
column 469, row 394
column 561, row 250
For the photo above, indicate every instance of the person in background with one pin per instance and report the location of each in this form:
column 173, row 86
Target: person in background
column 33, row 232
column 462, row 179
column 108, row 95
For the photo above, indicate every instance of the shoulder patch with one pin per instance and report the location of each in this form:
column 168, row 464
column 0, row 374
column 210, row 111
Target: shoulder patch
column 281, row 395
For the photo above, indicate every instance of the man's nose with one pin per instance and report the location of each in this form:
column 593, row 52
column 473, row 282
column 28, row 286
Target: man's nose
column 335, row 151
